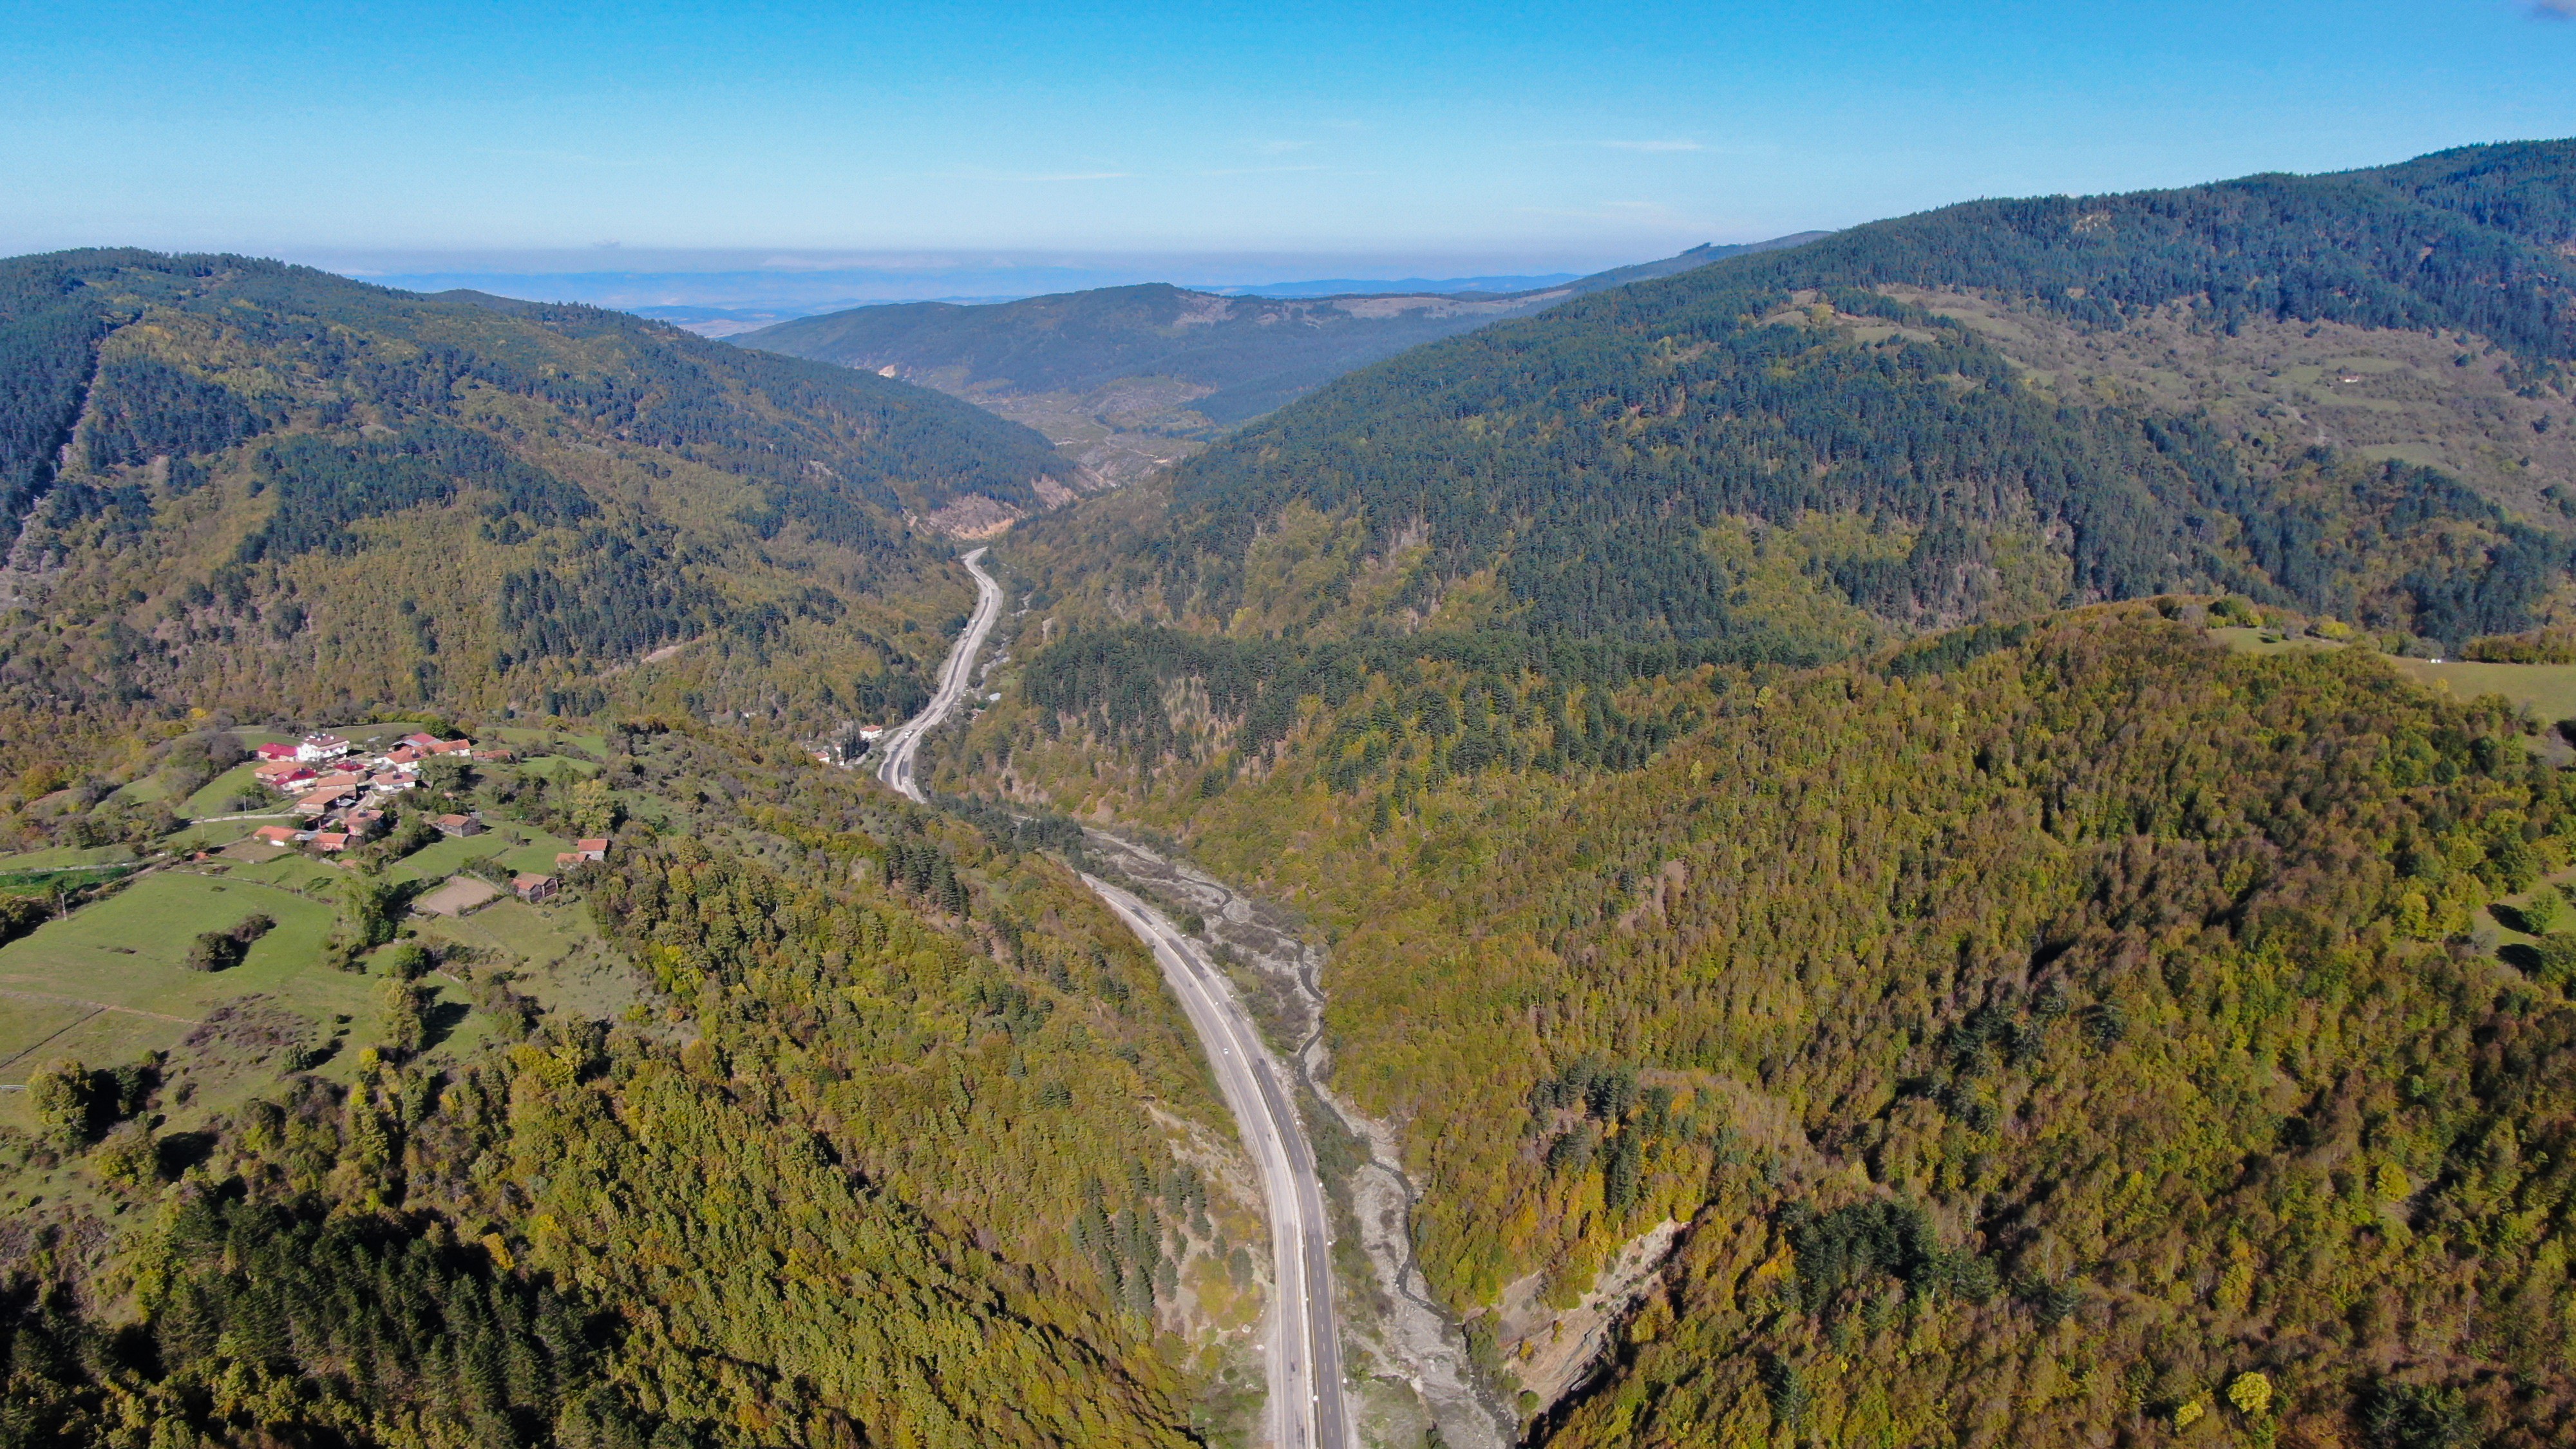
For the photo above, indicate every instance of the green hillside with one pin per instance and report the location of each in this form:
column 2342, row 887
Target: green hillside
column 238, row 485
column 2043, row 1025
column 2034, row 1030
column 1591, row 466
column 809, row 1118
column 1130, row 378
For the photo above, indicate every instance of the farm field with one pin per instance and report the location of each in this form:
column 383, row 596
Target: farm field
column 521, row 847
column 117, row 965
column 216, row 797
column 535, row 935
column 65, row 855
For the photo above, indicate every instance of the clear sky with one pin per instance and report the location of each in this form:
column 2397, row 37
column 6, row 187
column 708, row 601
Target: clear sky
column 1487, row 137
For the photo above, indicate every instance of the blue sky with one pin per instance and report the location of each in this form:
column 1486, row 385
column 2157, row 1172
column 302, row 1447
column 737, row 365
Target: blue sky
column 1426, row 139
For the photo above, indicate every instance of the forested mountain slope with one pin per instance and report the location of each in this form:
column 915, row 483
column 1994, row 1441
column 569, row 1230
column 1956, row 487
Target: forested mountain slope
column 2037, row 1031
column 1108, row 370
column 1818, row 439
column 2055, row 1030
column 895, row 1140
column 234, row 484
column 1242, row 356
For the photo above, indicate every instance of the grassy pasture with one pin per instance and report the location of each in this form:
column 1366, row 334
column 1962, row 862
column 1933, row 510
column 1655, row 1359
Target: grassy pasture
column 537, row 936
column 521, row 847
column 2547, row 690
column 120, row 959
column 65, row 855
column 216, row 798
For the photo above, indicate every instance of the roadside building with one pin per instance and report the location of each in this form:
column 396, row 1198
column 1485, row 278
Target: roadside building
column 330, row 842
column 322, row 801
column 274, row 835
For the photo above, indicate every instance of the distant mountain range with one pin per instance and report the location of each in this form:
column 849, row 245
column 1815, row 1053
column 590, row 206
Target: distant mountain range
column 1130, row 379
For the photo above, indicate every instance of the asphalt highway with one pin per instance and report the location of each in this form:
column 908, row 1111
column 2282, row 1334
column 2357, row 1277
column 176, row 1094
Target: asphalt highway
column 897, row 748
column 1307, row 1405
column 1308, row 1408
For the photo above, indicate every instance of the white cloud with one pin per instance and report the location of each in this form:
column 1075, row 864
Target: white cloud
column 1665, row 146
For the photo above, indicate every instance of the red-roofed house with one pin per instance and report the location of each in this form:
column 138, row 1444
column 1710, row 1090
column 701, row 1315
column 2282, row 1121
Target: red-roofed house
column 451, row 747
column 330, row 841
column 274, row 835
column 534, row 887
column 591, row 847
column 322, row 800
column 275, row 752
column 420, row 741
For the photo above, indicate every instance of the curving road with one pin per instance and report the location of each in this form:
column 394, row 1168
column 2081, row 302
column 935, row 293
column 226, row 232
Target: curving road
column 903, row 742
column 1304, row 1348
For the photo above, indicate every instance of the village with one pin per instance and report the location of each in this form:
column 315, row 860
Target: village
column 344, row 796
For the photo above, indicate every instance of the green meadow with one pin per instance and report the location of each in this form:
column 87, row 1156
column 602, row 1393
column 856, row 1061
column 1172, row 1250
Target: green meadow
column 105, row 983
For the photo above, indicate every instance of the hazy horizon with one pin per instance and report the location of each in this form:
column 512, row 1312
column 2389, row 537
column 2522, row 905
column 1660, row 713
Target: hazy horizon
column 1534, row 136
column 791, row 283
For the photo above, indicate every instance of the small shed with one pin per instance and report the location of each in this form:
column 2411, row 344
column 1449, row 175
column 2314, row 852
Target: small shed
column 533, row 888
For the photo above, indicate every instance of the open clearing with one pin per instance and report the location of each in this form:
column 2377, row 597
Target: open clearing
column 118, row 963
column 2547, row 690
column 521, row 847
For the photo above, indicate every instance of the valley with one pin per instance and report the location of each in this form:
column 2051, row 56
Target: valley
column 1960, row 831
